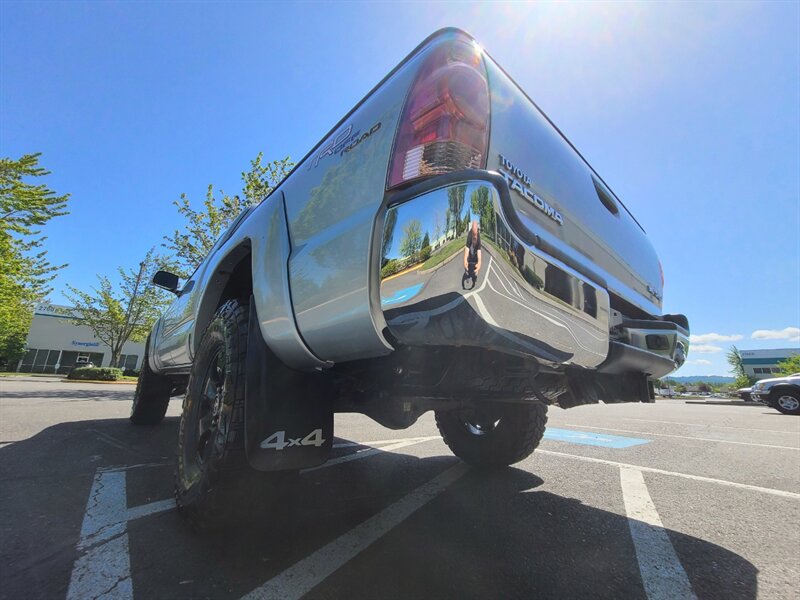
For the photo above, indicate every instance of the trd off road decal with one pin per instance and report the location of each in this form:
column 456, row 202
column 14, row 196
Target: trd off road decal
column 342, row 142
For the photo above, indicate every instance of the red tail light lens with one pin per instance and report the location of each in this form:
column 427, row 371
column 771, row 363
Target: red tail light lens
column 445, row 122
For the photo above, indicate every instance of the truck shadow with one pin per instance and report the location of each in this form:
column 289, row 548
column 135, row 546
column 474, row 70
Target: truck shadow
column 488, row 535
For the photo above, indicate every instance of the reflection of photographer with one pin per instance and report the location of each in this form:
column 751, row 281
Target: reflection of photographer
column 472, row 255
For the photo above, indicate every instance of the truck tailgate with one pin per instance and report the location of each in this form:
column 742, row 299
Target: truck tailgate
column 563, row 203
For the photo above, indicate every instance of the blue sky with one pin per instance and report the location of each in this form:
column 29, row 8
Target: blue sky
column 690, row 111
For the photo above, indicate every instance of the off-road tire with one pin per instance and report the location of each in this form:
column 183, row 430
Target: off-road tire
column 778, row 394
column 516, row 434
column 208, row 492
column 151, row 398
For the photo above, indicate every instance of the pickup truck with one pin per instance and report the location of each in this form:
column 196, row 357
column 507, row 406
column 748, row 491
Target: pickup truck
column 445, row 248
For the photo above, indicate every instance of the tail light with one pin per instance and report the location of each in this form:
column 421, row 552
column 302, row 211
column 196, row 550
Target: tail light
column 445, row 121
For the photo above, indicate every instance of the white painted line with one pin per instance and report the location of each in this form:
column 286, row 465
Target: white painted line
column 710, row 425
column 391, row 441
column 369, row 452
column 145, row 510
column 743, row 486
column 303, row 576
column 685, row 437
column 114, row 469
column 662, row 573
column 103, row 569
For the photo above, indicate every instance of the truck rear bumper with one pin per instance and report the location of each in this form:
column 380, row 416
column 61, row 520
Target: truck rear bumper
column 520, row 301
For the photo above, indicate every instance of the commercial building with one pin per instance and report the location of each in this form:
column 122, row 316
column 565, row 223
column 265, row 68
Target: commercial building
column 764, row 363
column 58, row 342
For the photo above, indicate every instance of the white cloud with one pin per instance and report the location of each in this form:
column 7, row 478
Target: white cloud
column 787, row 333
column 704, row 349
column 714, row 337
column 699, row 361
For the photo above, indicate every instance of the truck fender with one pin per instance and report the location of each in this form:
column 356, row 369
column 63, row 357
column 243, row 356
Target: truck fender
column 288, row 414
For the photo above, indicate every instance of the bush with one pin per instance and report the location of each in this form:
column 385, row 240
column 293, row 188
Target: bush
column 391, row 267
column 97, row 373
column 425, row 253
column 130, row 373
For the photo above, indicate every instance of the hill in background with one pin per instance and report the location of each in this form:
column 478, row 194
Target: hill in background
column 703, row 378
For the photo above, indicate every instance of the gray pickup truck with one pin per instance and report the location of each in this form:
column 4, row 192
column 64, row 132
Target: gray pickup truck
column 444, row 247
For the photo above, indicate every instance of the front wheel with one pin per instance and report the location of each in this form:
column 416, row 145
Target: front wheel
column 495, row 435
column 151, row 398
column 788, row 402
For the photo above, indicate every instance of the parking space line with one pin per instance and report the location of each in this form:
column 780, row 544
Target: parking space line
column 303, row 576
column 744, row 486
column 103, row 569
column 685, row 437
column 710, row 425
column 350, row 444
column 370, row 452
column 145, row 510
column 662, row 573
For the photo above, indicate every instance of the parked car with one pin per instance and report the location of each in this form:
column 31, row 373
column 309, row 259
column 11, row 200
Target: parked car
column 781, row 393
column 744, row 394
column 411, row 262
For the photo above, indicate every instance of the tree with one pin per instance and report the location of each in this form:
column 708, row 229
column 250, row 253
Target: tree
column 204, row 226
column 125, row 312
column 734, row 358
column 388, row 235
column 26, row 272
column 455, row 201
column 483, row 207
column 412, row 238
column 790, row 366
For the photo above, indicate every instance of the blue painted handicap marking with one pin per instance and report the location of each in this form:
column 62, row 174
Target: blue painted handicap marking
column 402, row 295
column 587, row 438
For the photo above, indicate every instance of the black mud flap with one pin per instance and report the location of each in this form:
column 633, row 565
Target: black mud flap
column 288, row 414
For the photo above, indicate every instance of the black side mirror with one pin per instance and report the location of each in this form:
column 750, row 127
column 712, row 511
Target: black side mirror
column 166, row 280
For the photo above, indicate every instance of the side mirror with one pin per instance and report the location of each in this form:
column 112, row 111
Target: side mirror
column 166, row 280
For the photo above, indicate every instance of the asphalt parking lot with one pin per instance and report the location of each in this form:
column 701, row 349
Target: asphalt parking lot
column 666, row 500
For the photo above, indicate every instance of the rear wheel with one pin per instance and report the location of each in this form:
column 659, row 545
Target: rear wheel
column 787, row 401
column 213, row 479
column 151, row 398
column 495, row 435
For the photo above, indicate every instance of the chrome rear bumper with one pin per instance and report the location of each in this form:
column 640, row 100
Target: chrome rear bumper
column 521, row 302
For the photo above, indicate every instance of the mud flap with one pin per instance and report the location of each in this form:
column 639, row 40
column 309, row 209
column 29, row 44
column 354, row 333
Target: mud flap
column 288, row 414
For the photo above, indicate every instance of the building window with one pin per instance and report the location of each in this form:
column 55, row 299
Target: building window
column 128, row 361
column 757, row 370
column 776, row 370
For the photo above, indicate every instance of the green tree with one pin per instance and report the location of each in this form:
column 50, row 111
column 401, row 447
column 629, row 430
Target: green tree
column 124, row 312
column 734, row 358
column 204, row 226
column 412, row 238
column 455, row 201
column 388, row 235
column 483, row 207
column 790, row 366
column 26, row 273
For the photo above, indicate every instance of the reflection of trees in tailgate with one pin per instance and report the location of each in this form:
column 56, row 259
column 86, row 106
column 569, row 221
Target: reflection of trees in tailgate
column 356, row 181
